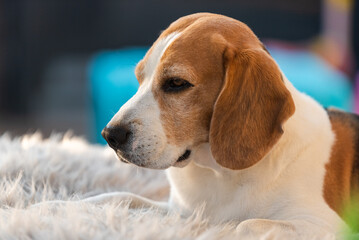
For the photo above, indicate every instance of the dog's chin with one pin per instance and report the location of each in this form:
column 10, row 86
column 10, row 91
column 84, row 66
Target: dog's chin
column 180, row 162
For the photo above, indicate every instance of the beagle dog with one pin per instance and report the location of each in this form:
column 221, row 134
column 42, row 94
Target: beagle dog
column 214, row 109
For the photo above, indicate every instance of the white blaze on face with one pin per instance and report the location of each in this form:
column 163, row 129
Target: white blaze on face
column 155, row 57
column 141, row 115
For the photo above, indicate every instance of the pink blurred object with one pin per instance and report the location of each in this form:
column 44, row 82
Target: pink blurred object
column 357, row 93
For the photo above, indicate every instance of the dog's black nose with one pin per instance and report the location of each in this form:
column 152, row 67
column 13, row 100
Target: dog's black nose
column 115, row 136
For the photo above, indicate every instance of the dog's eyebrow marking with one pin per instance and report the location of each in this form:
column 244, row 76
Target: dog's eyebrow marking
column 157, row 53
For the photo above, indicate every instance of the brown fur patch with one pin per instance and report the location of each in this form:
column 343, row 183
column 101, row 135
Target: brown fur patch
column 342, row 178
column 250, row 110
column 186, row 115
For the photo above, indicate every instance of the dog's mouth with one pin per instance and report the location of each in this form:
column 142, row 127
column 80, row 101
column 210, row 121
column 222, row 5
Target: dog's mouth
column 122, row 159
column 184, row 156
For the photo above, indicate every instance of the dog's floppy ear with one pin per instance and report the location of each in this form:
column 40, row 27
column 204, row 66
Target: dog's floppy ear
column 250, row 110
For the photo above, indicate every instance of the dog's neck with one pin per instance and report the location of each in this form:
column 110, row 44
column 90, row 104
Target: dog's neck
column 302, row 132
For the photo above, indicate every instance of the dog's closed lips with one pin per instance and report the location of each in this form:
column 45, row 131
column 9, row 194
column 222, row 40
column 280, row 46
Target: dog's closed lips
column 184, row 156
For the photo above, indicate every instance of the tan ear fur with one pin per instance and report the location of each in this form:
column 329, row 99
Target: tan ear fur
column 250, row 109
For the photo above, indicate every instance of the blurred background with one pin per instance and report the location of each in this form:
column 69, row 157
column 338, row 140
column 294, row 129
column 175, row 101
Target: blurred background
column 68, row 64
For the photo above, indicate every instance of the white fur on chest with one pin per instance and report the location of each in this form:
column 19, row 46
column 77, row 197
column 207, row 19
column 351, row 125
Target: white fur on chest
column 287, row 184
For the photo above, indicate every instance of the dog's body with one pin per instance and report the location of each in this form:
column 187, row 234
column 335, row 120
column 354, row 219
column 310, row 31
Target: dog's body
column 236, row 136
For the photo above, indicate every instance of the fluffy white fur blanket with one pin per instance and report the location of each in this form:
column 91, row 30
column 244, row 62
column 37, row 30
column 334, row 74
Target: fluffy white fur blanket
column 33, row 170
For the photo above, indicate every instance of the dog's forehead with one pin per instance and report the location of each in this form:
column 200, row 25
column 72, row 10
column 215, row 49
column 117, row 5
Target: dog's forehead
column 147, row 67
column 153, row 57
column 175, row 51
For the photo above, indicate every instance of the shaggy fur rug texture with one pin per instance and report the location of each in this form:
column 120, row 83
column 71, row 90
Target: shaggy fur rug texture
column 63, row 167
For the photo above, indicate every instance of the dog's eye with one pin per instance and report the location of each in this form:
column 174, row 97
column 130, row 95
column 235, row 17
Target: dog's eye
column 176, row 85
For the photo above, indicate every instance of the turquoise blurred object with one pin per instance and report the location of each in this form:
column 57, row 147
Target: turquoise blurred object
column 113, row 82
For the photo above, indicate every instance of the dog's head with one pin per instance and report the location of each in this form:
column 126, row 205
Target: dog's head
column 207, row 78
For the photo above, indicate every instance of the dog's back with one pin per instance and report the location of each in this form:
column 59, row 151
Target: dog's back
column 342, row 176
